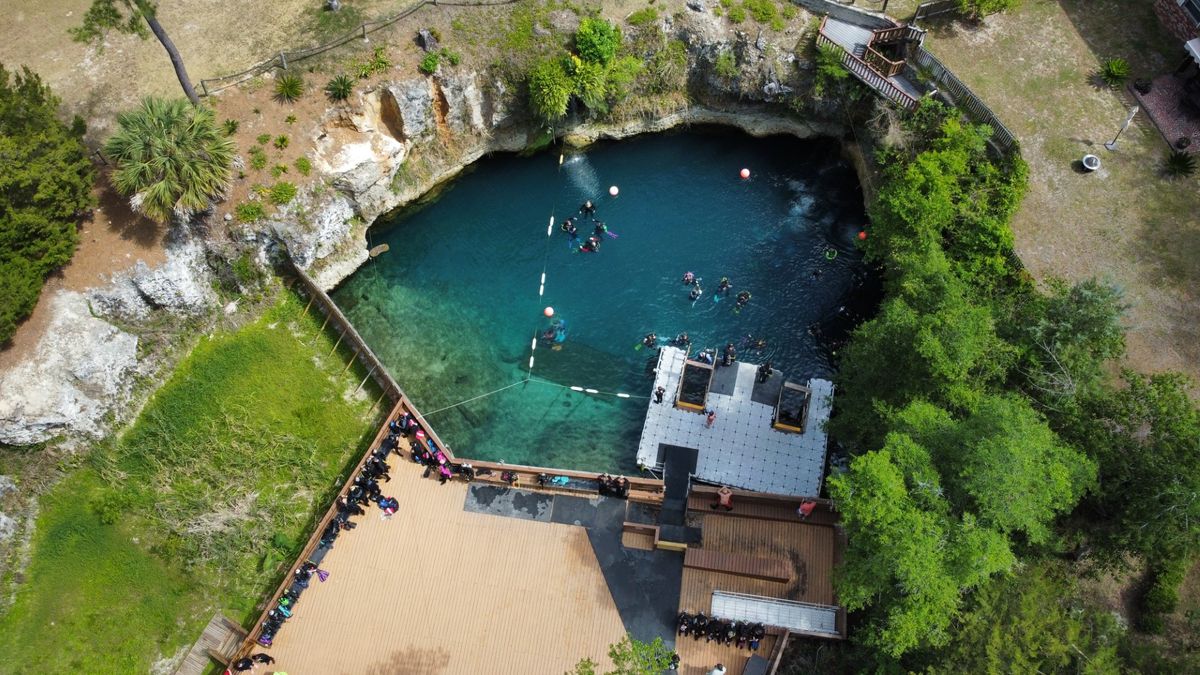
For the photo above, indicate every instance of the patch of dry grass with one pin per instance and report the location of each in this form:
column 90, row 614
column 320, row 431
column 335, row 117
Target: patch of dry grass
column 1125, row 222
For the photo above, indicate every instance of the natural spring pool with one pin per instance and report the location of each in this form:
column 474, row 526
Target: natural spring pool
column 452, row 307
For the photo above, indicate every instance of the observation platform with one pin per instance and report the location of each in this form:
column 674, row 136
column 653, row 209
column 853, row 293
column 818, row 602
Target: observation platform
column 743, row 448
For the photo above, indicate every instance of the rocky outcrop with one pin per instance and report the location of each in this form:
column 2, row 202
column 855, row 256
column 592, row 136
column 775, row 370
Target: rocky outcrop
column 182, row 286
column 82, row 369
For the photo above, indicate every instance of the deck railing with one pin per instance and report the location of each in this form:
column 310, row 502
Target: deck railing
column 863, row 71
column 882, row 64
column 928, row 9
column 906, row 32
column 965, row 99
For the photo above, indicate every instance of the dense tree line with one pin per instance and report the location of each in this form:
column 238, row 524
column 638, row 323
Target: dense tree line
column 45, row 184
column 987, row 442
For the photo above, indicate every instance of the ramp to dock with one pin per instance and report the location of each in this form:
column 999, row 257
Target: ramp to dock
column 218, row 643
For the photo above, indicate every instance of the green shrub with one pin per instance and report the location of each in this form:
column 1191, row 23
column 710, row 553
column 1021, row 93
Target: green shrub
column 230, row 127
column 1179, row 164
column 258, row 158
column 453, row 58
column 290, row 119
column 643, row 16
column 597, row 40
column 980, row 8
column 278, row 170
column 590, row 83
column 1162, row 596
column 244, row 270
column 339, row 88
column 1114, row 71
column 737, row 14
column 45, row 184
column 282, row 193
column 726, row 65
column 263, row 139
column 550, row 89
column 429, row 64
column 303, row 165
column 830, row 71
column 249, row 212
column 281, row 142
column 763, row 11
column 289, row 87
column 379, row 60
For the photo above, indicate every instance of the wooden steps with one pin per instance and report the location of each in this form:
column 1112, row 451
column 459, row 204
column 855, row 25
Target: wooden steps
column 219, row 642
column 767, row 569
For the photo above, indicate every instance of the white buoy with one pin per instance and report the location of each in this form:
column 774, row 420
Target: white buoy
column 745, row 173
column 549, row 312
column 613, row 191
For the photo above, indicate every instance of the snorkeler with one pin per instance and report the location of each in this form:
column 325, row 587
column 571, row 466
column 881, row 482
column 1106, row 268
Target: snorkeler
column 724, row 286
column 588, row 209
column 650, row 341
column 689, row 278
column 592, row 245
column 742, row 299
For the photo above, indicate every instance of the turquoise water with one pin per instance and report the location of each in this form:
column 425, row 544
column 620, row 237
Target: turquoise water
column 452, row 307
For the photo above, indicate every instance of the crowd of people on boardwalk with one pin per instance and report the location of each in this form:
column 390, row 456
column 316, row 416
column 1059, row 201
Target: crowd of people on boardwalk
column 743, row 634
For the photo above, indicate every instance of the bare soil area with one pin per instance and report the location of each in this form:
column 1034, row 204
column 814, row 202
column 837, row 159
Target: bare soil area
column 1126, row 222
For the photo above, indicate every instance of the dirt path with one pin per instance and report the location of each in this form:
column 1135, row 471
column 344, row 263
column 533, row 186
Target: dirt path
column 111, row 241
column 1126, row 222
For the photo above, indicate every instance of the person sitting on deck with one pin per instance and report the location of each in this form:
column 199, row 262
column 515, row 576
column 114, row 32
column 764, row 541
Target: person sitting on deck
column 724, row 499
column 621, row 486
column 705, row 356
column 806, row 509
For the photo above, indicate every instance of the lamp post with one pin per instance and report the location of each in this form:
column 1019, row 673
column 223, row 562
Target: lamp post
column 1112, row 145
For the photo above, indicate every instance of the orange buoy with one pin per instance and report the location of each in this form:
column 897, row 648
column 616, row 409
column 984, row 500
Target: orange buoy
column 862, row 235
column 549, row 312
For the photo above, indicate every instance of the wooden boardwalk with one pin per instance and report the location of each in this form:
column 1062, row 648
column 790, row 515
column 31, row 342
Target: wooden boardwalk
column 220, row 639
column 436, row 589
column 809, row 550
column 767, row 569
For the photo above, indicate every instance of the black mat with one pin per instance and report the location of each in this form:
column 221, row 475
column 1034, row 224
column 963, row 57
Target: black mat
column 679, row 463
column 723, row 380
column 767, row 393
column 757, row 665
column 643, row 584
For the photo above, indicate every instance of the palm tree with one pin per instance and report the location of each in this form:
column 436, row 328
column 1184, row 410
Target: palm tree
column 170, row 157
column 126, row 16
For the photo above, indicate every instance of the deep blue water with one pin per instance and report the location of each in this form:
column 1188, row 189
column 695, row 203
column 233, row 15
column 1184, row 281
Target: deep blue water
column 452, row 307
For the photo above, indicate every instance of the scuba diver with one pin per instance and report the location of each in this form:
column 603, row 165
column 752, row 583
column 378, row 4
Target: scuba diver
column 705, row 356
column 682, row 340
column 743, row 299
column 567, row 225
column 730, row 355
column 556, row 333
column 592, row 245
column 696, row 291
column 600, row 229
column 588, row 209
column 764, row 372
column 689, row 278
column 724, row 286
column 650, row 341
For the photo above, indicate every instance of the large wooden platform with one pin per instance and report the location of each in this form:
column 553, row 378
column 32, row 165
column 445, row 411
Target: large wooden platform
column 767, row 569
column 436, row 589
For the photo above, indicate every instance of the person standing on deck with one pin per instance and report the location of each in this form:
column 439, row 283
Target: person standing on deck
column 724, row 499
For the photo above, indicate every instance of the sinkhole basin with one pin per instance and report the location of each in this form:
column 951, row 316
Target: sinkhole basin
column 452, row 308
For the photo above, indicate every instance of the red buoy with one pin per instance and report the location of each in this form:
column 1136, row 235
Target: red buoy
column 745, row 173
column 862, row 235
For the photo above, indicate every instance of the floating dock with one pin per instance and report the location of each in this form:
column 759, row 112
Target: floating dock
column 742, row 449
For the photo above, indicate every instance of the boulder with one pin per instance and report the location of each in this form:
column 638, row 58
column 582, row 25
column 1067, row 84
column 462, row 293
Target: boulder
column 81, row 370
column 464, row 102
column 407, row 109
column 426, row 41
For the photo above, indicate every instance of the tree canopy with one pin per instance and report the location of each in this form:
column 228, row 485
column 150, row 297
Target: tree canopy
column 170, row 157
column 45, row 185
column 131, row 17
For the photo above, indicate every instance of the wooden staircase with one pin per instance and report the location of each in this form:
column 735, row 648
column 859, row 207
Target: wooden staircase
column 219, row 642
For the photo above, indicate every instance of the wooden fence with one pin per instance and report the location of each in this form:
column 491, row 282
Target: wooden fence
column 285, row 58
column 964, row 98
column 935, row 8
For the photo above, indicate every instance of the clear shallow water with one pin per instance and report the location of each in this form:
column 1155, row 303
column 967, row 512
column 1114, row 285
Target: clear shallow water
column 452, row 307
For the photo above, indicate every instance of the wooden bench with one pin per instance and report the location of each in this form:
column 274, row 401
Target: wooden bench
column 767, row 569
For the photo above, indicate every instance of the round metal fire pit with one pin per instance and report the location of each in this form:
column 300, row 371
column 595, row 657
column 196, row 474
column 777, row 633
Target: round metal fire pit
column 1091, row 162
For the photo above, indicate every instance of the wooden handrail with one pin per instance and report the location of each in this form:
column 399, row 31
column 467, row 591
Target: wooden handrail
column 863, row 71
column 882, row 64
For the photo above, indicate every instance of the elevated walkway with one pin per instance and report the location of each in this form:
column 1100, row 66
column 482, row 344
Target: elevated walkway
column 862, row 56
column 218, row 643
column 798, row 617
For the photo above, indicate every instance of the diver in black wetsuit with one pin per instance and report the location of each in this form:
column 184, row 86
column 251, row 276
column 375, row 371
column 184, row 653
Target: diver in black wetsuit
column 588, row 209
column 696, row 291
column 743, row 299
column 724, row 286
column 730, row 355
column 650, row 341
column 682, row 340
column 764, row 372
column 592, row 245
column 600, row 230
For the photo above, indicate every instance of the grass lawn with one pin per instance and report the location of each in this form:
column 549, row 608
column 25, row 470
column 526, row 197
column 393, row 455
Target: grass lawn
column 1126, row 222
column 194, row 508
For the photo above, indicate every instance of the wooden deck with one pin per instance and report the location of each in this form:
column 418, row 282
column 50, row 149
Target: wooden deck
column 217, row 644
column 808, row 548
column 436, row 589
column 739, row 564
